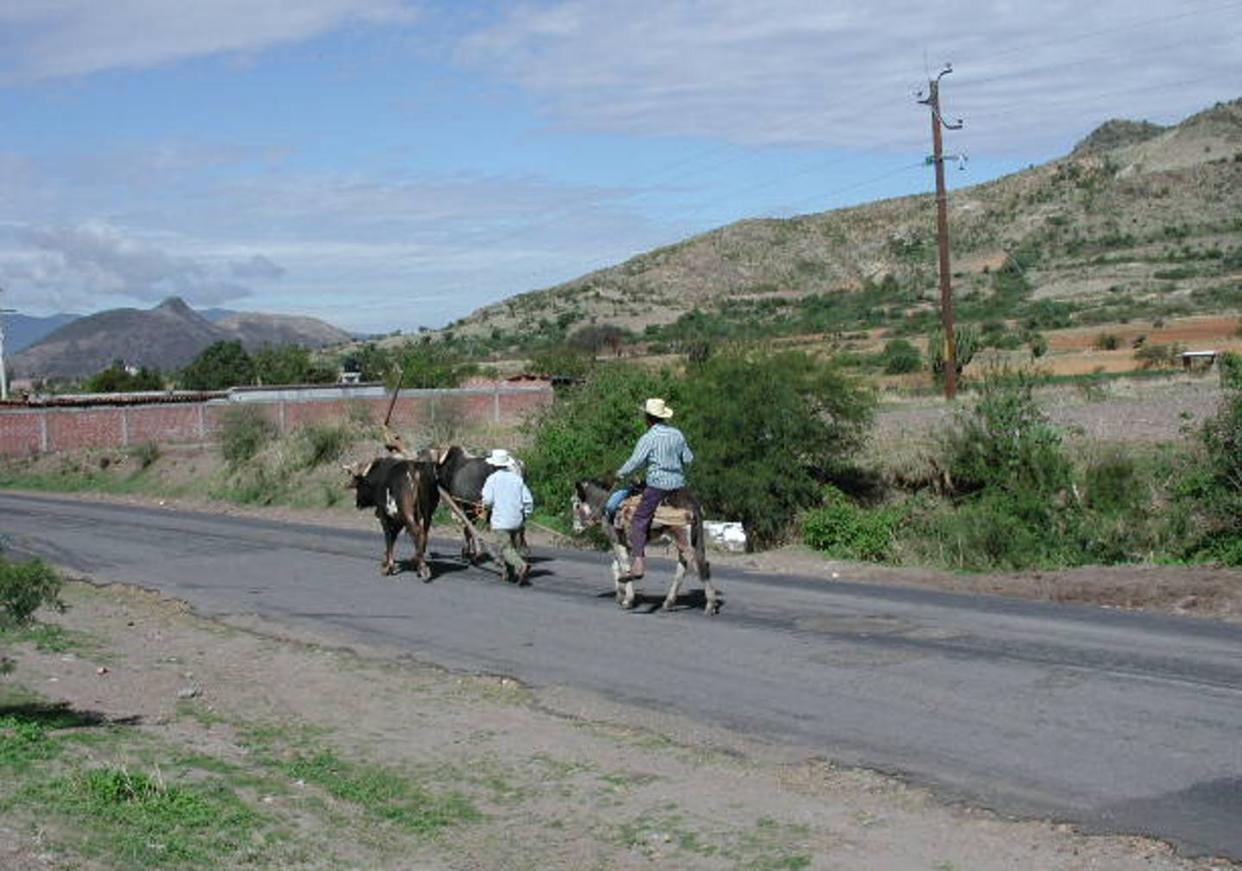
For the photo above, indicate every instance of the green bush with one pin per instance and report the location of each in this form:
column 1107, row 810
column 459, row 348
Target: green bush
column 591, row 428
column 1005, row 442
column 322, row 443
column 768, row 429
column 1221, row 491
column 220, row 366
column 244, row 431
column 145, row 453
column 25, row 588
column 901, row 357
column 968, row 343
column 1107, row 342
column 844, row 530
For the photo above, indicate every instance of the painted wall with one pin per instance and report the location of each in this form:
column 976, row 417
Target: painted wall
column 26, row 431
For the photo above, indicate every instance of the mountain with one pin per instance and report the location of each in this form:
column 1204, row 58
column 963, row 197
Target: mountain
column 22, row 331
column 1139, row 220
column 256, row 330
column 165, row 337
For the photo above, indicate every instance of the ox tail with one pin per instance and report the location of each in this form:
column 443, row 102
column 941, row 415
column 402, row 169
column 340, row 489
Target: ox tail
column 698, row 538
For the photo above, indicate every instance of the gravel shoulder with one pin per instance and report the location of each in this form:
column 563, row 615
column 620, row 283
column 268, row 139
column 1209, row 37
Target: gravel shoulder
column 561, row 779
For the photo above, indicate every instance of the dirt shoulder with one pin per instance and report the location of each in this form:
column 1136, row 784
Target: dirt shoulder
column 360, row 757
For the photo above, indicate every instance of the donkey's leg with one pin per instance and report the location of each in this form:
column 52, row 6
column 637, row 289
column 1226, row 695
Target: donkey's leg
column 670, row 600
column 627, row 601
column 620, row 568
column 713, row 598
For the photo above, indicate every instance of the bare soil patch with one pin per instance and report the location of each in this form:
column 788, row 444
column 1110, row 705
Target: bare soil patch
column 561, row 779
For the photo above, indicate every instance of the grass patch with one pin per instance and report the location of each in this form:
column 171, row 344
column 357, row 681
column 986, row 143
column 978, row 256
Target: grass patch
column 381, row 793
column 139, row 821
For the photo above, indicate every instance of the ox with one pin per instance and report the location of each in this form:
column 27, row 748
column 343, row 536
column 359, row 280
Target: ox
column 462, row 477
column 404, row 495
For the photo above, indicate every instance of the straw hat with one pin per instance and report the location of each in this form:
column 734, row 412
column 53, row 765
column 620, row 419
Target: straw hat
column 657, row 408
column 500, row 457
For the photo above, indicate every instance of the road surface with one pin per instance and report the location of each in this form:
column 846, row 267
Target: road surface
column 1119, row 722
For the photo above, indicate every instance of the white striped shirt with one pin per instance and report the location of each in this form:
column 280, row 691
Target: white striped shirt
column 665, row 453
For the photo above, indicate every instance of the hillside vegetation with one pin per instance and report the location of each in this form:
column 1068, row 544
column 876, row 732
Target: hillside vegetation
column 1137, row 222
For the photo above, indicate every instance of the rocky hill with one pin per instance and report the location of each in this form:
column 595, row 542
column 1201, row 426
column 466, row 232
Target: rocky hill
column 22, row 331
column 165, row 337
column 1137, row 219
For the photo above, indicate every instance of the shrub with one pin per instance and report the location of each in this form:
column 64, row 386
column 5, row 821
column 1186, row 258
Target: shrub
column 769, row 428
column 244, row 430
column 1037, row 344
column 842, row 529
column 25, row 588
column 1160, row 356
column 901, row 357
column 145, row 453
column 322, row 443
column 591, row 429
column 1107, row 342
column 1005, row 441
column 968, row 344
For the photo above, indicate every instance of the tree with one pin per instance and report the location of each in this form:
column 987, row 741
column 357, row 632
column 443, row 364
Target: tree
column 290, row 364
column 429, row 364
column 768, row 429
column 591, row 429
column 562, row 361
column 220, row 366
column 373, row 362
column 118, row 379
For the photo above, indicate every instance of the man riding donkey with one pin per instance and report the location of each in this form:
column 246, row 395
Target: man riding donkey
column 665, row 454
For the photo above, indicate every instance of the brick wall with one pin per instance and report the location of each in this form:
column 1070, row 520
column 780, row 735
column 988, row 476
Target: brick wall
column 26, row 431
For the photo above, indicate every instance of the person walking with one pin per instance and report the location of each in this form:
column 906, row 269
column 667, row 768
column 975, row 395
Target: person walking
column 665, row 455
column 508, row 502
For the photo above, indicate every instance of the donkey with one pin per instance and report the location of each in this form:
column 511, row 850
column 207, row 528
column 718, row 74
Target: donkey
column 679, row 520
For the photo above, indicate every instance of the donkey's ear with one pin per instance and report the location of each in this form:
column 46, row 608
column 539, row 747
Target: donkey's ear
column 580, row 489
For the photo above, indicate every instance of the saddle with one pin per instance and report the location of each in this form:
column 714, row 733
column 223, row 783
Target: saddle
column 665, row 515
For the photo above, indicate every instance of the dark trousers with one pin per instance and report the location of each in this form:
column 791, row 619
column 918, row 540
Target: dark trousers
column 640, row 526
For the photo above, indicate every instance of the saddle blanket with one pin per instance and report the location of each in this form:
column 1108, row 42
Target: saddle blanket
column 665, row 515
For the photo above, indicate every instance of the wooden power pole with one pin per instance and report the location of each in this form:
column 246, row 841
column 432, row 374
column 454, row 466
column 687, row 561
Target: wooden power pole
column 942, row 233
column 4, row 380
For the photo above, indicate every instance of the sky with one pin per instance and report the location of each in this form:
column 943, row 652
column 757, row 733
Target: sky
column 396, row 164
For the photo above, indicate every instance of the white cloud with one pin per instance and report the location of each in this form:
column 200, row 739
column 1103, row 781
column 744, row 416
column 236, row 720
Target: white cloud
column 95, row 259
column 55, row 38
column 835, row 74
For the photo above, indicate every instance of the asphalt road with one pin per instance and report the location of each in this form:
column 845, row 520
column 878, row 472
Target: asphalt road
column 1118, row 722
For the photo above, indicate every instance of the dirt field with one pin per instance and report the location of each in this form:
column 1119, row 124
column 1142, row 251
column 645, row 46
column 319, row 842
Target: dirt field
column 552, row 779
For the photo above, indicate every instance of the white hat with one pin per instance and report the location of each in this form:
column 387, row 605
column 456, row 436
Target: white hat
column 500, row 457
column 657, row 408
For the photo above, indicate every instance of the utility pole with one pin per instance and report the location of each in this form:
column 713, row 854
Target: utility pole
column 942, row 232
column 4, row 381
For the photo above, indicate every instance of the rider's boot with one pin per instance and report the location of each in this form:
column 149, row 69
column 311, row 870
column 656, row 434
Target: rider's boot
column 637, row 568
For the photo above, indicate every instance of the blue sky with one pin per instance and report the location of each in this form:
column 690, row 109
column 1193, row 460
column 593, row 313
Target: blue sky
column 390, row 164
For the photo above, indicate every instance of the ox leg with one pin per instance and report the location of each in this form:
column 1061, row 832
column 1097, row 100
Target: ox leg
column 420, row 533
column 389, row 564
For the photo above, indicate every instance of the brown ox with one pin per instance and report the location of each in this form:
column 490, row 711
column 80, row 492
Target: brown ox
column 404, row 494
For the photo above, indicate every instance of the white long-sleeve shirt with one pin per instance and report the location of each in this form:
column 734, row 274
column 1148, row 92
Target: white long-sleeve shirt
column 506, row 494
